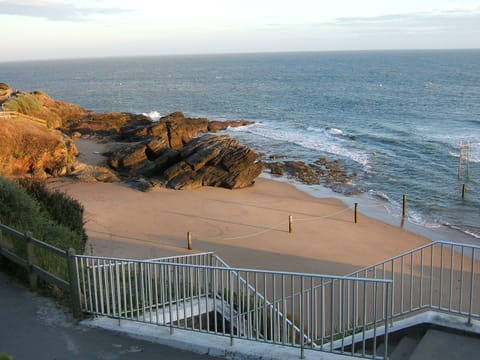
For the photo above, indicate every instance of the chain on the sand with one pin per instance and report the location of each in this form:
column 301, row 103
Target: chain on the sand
column 281, row 224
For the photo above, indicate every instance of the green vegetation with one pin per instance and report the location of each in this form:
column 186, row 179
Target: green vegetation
column 52, row 217
column 4, row 356
column 25, row 103
column 61, row 207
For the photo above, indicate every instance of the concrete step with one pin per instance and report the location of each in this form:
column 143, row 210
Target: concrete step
column 442, row 345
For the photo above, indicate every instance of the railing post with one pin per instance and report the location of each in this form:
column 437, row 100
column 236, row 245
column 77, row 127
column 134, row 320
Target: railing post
column 302, row 319
column 472, row 284
column 230, row 289
column 385, row 336
column 2, row 261
column 73, row 280
column 32, row 277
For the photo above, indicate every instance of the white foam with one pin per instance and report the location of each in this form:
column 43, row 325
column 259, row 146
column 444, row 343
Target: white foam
column 321, row 139
column 154, row 115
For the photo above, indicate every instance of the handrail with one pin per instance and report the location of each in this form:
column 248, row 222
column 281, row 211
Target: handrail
column 268, row 303
column 179, row 291
column 439, row 275
column 29, row 263
column 16, row 114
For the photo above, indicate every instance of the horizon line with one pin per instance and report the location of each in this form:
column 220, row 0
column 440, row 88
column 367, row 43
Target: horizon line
column 233, row 53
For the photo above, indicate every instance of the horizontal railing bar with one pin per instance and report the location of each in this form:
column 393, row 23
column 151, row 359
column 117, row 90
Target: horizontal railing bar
column 182, row 256
column 21, row 236
column 413, row 251
column 64, row 285
column 258, row 271
column 49, row 247
column 14, row 257
column 11, row 231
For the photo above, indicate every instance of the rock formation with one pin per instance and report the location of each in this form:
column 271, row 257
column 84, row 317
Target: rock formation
column 28, row 148
column 5, row 92
column 177, row 152
column 172, row 153
column 322, row 171
column 42, row 106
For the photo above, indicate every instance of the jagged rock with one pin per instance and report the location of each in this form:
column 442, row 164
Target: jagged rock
column 128, row 156
column 91, row 174
column 276, row 168
column 214, row 161
column 245, row 178
column 181, row 129
column 162, row 163
column 105, row 124
column 155, row 148
column 216, row 126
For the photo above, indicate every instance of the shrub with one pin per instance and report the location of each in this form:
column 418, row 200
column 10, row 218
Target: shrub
column 17, row 209
column 25, row 103
column 61, row 207
column 52, row 217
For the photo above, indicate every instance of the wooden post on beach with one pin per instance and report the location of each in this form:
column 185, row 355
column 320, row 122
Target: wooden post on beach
column 404, row 211
column 189, row 240
column 464, row 190
column 355, row 214
column 290, row 223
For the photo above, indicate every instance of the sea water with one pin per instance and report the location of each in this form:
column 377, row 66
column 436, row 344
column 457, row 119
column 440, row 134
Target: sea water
column 395, row 117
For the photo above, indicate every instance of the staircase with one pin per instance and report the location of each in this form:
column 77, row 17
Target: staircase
column 416, row 304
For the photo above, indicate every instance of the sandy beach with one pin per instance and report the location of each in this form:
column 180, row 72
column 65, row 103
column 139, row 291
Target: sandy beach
column 247, row 228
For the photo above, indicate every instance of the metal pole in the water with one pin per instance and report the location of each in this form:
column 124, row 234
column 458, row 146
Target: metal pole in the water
column 464, row 191
column 189, row 240
column 290, row 223
column 404, row 211
column 355, row 214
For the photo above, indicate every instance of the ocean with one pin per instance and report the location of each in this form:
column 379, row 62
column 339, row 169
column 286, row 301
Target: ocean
column 398, row 118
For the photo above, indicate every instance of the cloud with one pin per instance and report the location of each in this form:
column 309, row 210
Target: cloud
column 446, row 16
column 54, row 11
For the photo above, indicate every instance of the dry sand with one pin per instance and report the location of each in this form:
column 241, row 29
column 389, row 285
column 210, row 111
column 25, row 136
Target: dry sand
column 247, row 228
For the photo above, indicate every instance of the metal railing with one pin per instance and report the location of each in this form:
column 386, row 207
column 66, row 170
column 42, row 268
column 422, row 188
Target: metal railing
column 439, row 276
column 202, row 293
column 39, row 259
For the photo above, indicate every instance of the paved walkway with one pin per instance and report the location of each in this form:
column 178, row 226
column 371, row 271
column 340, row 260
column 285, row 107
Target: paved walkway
column 34, row 327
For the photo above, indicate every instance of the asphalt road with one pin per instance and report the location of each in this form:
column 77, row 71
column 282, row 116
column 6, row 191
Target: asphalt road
column 34, row 327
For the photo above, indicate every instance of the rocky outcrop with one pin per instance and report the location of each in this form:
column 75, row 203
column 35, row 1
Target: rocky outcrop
column 208, row 160
column 322, row 171
column 5, row 92
column 104, row 124
column 28, row 148
column 175, row 151
column 40, row 105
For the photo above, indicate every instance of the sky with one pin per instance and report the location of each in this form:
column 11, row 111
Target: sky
column 57, row 29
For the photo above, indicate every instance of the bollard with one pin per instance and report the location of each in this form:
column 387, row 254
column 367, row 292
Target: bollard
column 189, row 240
column 355, row 214
column 404, row 211
column 290, row 223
